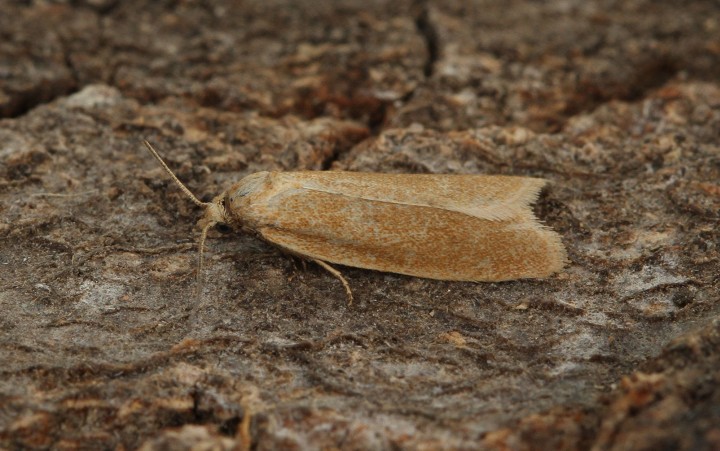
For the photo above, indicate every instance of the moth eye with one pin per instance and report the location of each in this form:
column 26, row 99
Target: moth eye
column 223, row 228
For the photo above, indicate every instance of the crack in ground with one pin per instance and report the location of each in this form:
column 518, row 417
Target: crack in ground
column 21, row 103
column 427, row 30
column 44, row 91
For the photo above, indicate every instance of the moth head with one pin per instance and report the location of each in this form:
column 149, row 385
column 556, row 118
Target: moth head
column 215, row 211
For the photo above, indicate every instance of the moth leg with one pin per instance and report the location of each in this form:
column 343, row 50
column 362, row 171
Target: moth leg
column 298, row 263
column 338, row 276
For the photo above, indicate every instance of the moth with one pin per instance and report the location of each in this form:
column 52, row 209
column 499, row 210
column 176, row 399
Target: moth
column 437, row 226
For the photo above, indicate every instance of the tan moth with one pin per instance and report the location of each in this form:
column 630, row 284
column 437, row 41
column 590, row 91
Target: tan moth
column 437, row 226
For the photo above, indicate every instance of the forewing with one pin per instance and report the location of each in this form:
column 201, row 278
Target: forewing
column 482, row 196
column 418, row 240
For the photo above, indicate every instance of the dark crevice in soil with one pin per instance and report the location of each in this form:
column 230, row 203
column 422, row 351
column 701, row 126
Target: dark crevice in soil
column 328, row 162
column 376, row 121
column 74, row 73
column 103, row 8
column 429, row 33
column 651, row 76
column 426, row 29
column 347, row 144
column 39, row 94
column 648, row 77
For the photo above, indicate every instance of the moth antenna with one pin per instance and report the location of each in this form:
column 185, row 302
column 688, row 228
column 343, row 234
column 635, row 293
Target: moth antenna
column 196, row 201
column 184, row 188
column 201, row 248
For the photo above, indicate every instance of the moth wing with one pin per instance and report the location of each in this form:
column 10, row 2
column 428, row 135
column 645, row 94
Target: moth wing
column 422, row 241
column 483, row 196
